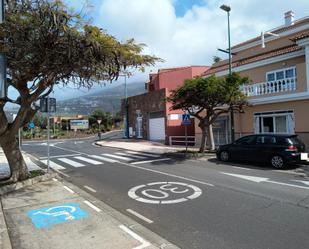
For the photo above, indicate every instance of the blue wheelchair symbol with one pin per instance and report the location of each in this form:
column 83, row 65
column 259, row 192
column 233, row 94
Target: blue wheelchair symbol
column 45, row 217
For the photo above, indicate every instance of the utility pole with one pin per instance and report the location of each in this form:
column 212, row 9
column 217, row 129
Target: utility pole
column 3, row 89
column 126, row 125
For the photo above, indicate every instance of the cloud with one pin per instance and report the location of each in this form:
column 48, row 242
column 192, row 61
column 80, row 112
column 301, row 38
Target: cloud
column 192, row 39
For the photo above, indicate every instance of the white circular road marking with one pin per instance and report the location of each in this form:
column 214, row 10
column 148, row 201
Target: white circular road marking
column 164, row 192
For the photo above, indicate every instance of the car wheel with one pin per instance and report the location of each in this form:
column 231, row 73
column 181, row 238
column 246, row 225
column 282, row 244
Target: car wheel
column 224, row 156
column 277, row 162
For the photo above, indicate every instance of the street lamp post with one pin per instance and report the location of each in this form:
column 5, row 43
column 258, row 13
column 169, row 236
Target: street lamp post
column 227, row 9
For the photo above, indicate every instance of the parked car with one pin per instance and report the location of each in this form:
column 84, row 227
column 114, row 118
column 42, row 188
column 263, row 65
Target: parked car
column 276, row 149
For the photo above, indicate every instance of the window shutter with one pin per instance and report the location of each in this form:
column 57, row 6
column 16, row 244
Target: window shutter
column 256, row 125
column 290, row 123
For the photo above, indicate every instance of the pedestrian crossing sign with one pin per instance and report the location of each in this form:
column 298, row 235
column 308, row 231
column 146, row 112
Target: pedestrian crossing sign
column 186, row 119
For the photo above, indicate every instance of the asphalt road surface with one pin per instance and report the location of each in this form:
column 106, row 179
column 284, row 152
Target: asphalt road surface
column 191, row 203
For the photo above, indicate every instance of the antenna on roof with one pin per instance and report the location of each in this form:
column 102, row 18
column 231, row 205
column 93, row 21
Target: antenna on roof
column 263, row 37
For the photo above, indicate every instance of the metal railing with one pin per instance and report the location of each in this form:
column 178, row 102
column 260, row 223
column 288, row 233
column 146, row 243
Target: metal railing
column 277, row 86
column 181, row 140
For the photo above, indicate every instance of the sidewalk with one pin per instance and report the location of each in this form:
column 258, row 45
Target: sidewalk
column 56, row 214
column 5, row 169
column 140, row 145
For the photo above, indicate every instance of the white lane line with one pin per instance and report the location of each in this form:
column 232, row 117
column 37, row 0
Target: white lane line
column 139, row 216
column 235, row 167
column 151, row 161
column 68, row 189
column 104, row 159
column 130, row 155
column 91, row 189
column 144, row 242
column 88, row 160
column 290, row 185
column 142, row 154
column 71, row 162
column 118, row 157
column 53, row 165
column 68, row 155
column 167, row 174
column 55, row 180
column 92, row 206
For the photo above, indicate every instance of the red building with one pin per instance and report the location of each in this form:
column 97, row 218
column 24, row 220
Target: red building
column 149, row 116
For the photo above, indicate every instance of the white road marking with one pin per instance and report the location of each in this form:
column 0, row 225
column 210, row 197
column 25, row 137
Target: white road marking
column 68, row 155
column 151, row 161
column 304, row 182
column 88, row 160
column 93, row 206
column 104, row 159
column 249, row 178
column 262, row 179
column 287, row 184
column 118, row 157
column 141, row 153
column 91, row 189
column 130, row 155
column 53, row 165
column 68, row 189
column 61, row 173
column 235, row 167
column 55, row 180
column 71, row 162
column 144, row 242
column 150, row 170
column 139, row 216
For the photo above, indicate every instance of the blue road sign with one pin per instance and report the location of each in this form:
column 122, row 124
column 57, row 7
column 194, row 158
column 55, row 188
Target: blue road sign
column 186, row 119
column 31, row 125
column 49, row 216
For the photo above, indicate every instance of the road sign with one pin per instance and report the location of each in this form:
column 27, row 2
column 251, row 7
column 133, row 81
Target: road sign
column 46, row 217
column 51, row 105
column 186, row 119
column 79, row 124
column 31, row 125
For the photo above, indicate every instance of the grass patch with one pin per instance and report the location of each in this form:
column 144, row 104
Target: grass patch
column 36, row 173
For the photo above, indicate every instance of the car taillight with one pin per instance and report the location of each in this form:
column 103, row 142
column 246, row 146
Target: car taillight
column 292, row 148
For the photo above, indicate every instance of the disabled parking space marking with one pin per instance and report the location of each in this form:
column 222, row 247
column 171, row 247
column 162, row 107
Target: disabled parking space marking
column 164, row 192
column 45, row 217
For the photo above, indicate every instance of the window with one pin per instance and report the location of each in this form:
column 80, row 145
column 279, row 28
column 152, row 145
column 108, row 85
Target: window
column 274, row 122
column 266, row 140
column 246, row 140
column 281, row 74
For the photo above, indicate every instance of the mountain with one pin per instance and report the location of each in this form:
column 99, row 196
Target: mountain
column 108, row 100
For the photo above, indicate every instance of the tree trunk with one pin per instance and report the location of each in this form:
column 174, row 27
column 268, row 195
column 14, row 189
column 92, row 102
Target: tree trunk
column 203, row 142
column 15, row 159
column 211, row 138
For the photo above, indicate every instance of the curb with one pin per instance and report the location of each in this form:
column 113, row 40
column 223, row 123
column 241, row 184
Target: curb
column 5, row 241
column 12, row 187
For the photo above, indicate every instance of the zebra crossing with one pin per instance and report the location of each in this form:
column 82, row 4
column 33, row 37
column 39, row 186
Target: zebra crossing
column 77, row 161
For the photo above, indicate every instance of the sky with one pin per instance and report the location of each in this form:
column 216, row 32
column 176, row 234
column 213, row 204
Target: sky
column 184, row 32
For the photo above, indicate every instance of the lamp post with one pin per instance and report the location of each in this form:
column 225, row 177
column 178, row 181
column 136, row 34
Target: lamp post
column 227, row 9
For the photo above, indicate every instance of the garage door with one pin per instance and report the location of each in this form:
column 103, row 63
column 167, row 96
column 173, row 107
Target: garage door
column 156, row 129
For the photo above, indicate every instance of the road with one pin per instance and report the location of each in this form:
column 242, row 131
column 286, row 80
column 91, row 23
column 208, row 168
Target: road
column 191, row 203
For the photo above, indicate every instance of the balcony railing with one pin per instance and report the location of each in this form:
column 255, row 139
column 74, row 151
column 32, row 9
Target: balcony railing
column 277, row 86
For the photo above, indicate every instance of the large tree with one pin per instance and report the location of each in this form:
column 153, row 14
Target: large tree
column 208, row 98
column 46, row 44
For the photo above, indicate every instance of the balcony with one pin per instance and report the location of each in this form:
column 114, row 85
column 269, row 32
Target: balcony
column 271, row 87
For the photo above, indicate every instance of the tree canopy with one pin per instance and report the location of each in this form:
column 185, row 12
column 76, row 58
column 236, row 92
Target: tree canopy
column 47, row 44
column 208, row 98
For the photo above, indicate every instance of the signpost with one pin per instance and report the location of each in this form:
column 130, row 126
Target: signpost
column 186, row 121
column 48, row 105
column 2, row 60
column 99, row 122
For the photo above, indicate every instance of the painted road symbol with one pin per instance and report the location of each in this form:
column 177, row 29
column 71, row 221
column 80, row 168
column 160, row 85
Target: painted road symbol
column 164, row 192
column 45, row 217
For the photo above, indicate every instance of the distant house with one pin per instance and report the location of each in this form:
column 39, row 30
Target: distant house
column 149, row 116
column 279, row 91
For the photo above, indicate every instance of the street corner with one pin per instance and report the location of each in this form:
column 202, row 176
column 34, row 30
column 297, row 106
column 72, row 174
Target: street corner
column 56, row 214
